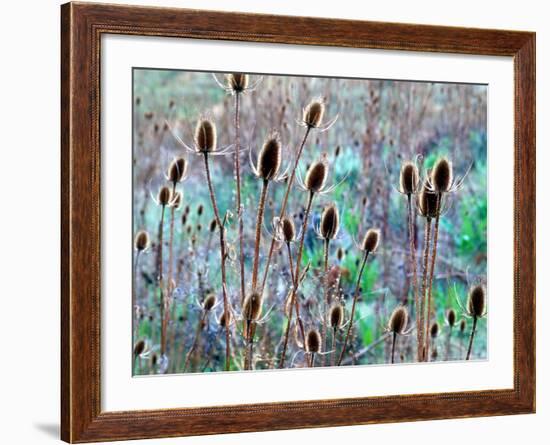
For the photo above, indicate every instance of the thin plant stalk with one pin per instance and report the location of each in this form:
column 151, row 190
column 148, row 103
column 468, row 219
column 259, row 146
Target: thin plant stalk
column 296, row 303
column 471, row 342
column 284, row 204
column 135, row 322
column 259, row 219
column 333, row 348
column 312, row 360
column 325, row 298
column 355, row 295
column 222, row 257
column 195, row 340
column 393, row 347
column 432, row 269
column 427, row 235
column 238, row 188
column 296, row 282
column 448, row 348
column 161, row 284
column 412, row 248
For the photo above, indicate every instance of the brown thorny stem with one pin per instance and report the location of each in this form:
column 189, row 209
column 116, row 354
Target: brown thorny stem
column 161, row 285
column 432, row 269
column 333, row 348
column 424, row 282
column 283, row 207
column 135, row 320
column 222, row 254
column 169, row 289
column 393, row 347
column 195, row 340
column 412, row 248
column 355, row 295
column 325, row 302
column 296, row 303
column 296, row 282
column 259, row 219
column 238, row 181
column 470, row 343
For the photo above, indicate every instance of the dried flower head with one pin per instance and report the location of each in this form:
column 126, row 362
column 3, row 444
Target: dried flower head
column 237, row 82
column 222, row 321
column 154, row 360
column 252, row 306
column 427, row 202
column 313, row 341
column 371, row 241
column 287, row 229
column 462, row 326
column 142, row 241
column 398, row 320
column 176, row 200
column 330, row 222
column 442, row 176
column 451, row 317
column 205, row 136
column 408, row 178
column 316, row 176
column 200, row 209
column 213, row 225
column 476, row 301
column 269, row 159
column 139, row 348
column 177, row 170
column 164, row 196
column 434, row 329
column 209, row 302
column 313, row 113
column 340, row 253
column 336, row 315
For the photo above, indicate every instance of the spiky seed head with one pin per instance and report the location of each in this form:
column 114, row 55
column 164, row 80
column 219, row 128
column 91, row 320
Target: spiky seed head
column 408, row 178
column 252, row 306
column 442, row 176
column 139, row 347
column 427, row 202
column 330, row 222
column 476, row 301
column 313, row 113
column 177, row 170
column 434, row 329
column 209, row 302
column 213, row 225
column 183, row 219
column 205, row 136
column 287, row 229
column 398, row 320
column 462, row 326
column 200, row 209
column 223, row 319
column 165, row 195
column 316, row 176
column 237, row 82
column 199, row 227
column 313, row 341
column 154, row 359
column 142, row 241
column 336, row 315
column 371, row 241
column 340, row 253
column 451, row 317
column 269, row 159
column 176, row 200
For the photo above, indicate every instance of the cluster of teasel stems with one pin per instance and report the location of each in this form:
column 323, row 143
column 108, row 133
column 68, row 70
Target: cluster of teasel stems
column 427, row 196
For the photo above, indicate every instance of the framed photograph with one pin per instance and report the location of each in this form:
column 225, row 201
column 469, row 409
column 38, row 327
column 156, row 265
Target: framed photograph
column 275, row 222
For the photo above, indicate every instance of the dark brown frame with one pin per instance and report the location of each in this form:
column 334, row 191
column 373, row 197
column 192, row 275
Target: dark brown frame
column 81, row 28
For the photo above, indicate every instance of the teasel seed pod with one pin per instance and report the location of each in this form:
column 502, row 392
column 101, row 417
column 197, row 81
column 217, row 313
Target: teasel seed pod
column 340, row 253
column 177, row 170
column 313, row 341
column 336, row 315
column 200, row 209
column 176, row 200
column 451, row 317
column 371, row 241
column 142, row 241
column 316, row 176
column 269, row 159
column 442, row 176
column 434, row 329
column 330, row 222
column 164, row 196
column 462, row 326
column 408, row 178
column 213, row 225
column 252, row 306
column 183, row 219
column 209, row 302
column 398, row 320
column 139, row 348
column 476, row 301
column 313, row 113
column 287, row 229
column 205, row 136
column 427, row 202
column 222, row 321
column 237, row 82
column 154, row 359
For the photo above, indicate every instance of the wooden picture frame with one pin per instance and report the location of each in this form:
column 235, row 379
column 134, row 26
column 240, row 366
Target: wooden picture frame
column 82, row 26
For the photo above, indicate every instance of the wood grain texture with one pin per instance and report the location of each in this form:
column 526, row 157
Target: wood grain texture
column 81, row 28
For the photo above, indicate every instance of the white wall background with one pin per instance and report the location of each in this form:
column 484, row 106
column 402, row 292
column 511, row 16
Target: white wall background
column 29, row 221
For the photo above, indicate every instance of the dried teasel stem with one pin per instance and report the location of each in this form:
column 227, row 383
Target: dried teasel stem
column 423, row 317
column 325, row 299
column 296, row 282
column 432, row 267
column 222, row 256
column 471, row 341
column 412, row 248
column 296, row 302
column 164, row 198
column 259, row 219
column 285, row 201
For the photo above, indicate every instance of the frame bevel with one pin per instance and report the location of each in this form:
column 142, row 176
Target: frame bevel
column 82, row 25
